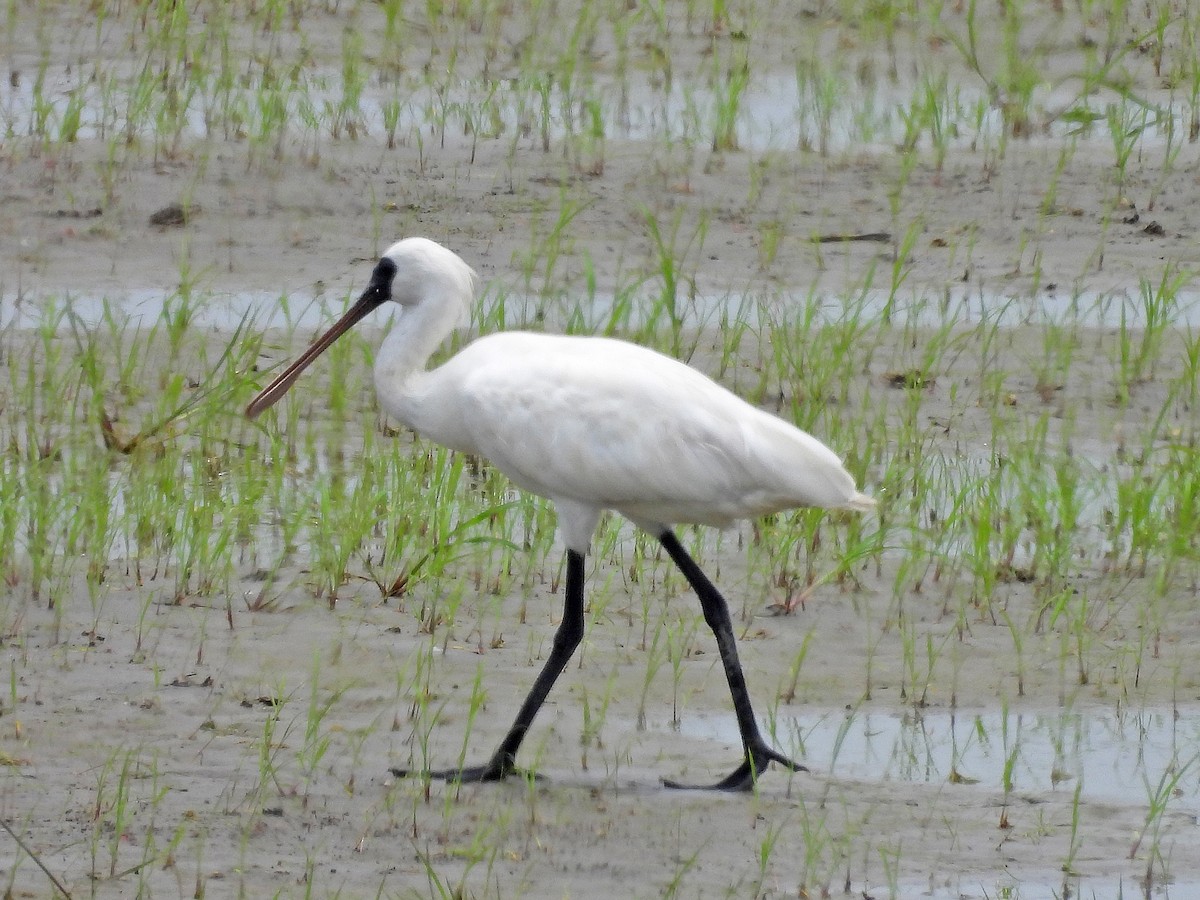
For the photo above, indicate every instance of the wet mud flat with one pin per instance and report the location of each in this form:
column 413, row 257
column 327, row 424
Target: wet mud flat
column 992, row 679
column 241, row 732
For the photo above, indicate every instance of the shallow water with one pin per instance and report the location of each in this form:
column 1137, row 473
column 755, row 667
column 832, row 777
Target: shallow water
column 1123, row 757
column 1004, row 885
column 772, row 110
column 965, row 308
column 144, row 307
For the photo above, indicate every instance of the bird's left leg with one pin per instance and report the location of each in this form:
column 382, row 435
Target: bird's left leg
column 716, row 613
column 570, row 632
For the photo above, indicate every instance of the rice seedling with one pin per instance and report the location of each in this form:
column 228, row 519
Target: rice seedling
column 683, row 867
column 547, row 250
column 1126, row 126
column 1068, row 866
column 655, row 653
column 1159, row 795
column 269, row 747
column 668, row 255
column 824, row 852
column 679, row 647
column 820, row 90
column 731, row 85
column 476, row 703
column 766, row 850
column 593, row 721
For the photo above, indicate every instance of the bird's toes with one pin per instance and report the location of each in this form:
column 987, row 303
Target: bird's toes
column 493, row 770
column 758, row 760
column 761, row 758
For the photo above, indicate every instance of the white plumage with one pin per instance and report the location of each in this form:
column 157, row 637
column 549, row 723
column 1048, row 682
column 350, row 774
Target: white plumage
column 593, row 424
column 612, row 425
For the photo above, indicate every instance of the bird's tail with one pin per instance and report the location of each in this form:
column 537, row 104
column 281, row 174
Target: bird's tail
column 860, row 502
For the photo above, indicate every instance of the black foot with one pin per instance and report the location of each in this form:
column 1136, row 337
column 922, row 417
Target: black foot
column 493, row 770
column 743, row 777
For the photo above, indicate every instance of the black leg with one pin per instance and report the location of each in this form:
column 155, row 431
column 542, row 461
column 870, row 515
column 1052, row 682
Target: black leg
column 566, row 639
column 716, row 613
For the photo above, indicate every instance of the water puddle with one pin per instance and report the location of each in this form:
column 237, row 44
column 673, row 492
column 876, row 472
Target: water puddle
column 145, row 307
column 503, row 308
column 770, row 111
column 1007, row 886
column 1126, row 758
column 960, row 308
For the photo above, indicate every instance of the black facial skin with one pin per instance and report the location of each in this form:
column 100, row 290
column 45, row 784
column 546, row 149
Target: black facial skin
column 380, row 288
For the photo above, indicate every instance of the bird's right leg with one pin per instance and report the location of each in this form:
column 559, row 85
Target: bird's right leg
column 570, row 632
column 758, row 754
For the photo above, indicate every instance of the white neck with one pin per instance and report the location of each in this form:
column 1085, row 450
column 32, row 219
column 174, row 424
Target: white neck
column 405, row 351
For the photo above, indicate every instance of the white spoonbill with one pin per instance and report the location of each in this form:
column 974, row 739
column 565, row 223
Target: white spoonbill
column 592, row 424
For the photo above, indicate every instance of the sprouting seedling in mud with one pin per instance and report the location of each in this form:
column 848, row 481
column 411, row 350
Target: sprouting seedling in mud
column 593, row 424
column 223, row 378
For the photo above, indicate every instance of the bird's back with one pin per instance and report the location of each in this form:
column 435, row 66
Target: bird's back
column 614, row 425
